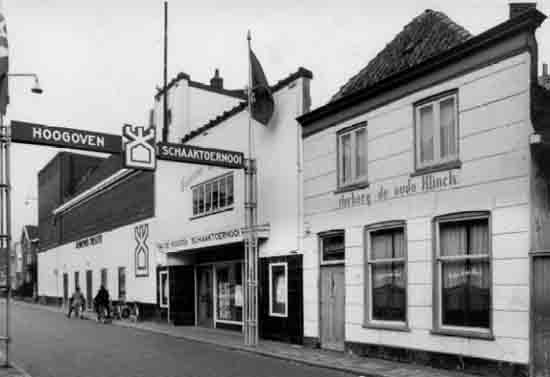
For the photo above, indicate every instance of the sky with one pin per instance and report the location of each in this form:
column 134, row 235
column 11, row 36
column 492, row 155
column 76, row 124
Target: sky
column 100, row 61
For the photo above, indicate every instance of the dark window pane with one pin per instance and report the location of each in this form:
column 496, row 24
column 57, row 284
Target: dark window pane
column 333, row 248
column 388, row 292
column 466, row 294
column 346, row 158
column 122, row 283
column 229, row 190
column 201, row 199
column 215, row 195
column 464, row 238
column 195, row 201
column 222, row 192
column 208, row 197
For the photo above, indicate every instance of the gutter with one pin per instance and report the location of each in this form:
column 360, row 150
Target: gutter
column 92, row 191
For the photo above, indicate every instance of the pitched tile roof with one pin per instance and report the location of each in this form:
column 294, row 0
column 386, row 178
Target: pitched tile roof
column 301, row 72
column 427, row 35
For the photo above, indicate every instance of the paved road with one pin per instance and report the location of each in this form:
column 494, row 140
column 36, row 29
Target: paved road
column 47, row 344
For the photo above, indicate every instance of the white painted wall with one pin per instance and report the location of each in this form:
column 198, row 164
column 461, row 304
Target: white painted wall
column 276, row 147
column 494, row 129
column 116, row 250
column 191, row 108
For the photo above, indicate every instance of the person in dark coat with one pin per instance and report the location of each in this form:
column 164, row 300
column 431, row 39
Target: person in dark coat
column 101, row 301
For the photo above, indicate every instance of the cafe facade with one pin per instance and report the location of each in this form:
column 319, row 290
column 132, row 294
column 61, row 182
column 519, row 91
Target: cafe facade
column 425, row 202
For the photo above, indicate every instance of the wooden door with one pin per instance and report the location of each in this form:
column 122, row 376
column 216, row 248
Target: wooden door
column 205, row 296
column 89, row 292
column 181, row 280
column 541, row 316
column 332, row 307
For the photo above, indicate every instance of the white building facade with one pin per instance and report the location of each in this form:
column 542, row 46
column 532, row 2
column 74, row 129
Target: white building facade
column 419, row 197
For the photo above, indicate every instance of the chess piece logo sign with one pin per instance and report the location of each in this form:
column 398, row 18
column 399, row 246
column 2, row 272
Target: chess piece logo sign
column 141, row 234
column 138, row 147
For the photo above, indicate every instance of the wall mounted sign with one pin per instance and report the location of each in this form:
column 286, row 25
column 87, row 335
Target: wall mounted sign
column 138, row 147
column 141, row 234
column 417, row 185
column 61, row 137
column 199, row 155
column 90, row 241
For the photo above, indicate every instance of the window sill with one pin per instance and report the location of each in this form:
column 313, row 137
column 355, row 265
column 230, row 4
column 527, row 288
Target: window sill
column 463, row 334
column 387, row 326
column 437, row 168
column 211, row 213
column 352, row 187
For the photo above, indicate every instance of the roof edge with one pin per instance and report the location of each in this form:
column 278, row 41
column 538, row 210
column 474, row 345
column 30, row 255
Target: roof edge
column 300, row 73
column 529, row 20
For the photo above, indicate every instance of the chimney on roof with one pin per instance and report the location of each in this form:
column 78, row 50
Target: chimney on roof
column 518, row 8
column 216, row 81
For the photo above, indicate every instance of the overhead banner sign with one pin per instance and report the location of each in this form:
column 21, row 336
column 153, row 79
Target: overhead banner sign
column 138, row 145
column 62, row 137
column 199, row 155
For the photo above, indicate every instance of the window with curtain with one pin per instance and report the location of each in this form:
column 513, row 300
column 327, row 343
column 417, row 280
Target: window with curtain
column 386, row 258
column 436, row 131
column 213, row 196
column 463, row 263
column 352, row 155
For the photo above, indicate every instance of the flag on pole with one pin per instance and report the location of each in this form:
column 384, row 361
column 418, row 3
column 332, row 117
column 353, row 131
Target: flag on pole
column 4, row 98
column 262, row 99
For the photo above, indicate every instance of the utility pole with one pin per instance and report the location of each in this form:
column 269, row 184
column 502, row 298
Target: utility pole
column 165, row 85
column 5, row 222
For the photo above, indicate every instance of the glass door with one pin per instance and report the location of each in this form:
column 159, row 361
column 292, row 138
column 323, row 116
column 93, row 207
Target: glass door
column 205, row 307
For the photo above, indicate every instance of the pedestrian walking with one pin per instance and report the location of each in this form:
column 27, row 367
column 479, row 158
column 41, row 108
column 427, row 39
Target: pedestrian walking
column 101, row 303
column 76, row 303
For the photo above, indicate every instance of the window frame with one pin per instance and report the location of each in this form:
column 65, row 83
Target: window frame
column 368, row 320
column 358, row 182
column 438, row 326
column 271, row 312
column 199, row 192
column 161, row 304
column 324, row 235
column 438, row 163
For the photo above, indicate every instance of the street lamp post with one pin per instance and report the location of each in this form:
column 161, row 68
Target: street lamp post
column 5, row 203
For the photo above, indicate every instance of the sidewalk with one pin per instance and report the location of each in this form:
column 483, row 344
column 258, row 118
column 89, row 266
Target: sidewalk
column 340, row 361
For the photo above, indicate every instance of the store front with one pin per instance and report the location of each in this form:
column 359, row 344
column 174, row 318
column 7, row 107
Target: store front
column 220, row 294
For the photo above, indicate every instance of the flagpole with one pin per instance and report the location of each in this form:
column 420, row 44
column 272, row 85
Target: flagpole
column 251, row 245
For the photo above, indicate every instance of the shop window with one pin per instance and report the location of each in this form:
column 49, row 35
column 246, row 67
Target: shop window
column 463, row 265
column 436, row 131
column 352, row 155
column 229, row 293
column 163, row 280
column 278, row 289
column 213, row 196
column 104, row 277
column 386, row 283
column 122, row 283
column 333, row 248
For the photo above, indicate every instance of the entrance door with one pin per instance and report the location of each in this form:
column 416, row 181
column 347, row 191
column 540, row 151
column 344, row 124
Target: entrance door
column 205, row 296
column 65, row 288
column 89, row 288
column 182, row 295
column 541, row 316
column 332, row 307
